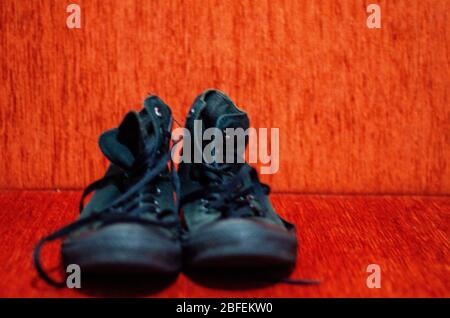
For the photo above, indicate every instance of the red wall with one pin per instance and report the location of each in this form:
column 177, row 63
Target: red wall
column 359, row 110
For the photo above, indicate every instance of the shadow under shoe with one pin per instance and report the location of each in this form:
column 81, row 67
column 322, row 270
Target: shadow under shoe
column 124, row 284
column 239, row 278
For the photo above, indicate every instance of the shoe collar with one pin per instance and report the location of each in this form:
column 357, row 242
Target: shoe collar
column 140, row 134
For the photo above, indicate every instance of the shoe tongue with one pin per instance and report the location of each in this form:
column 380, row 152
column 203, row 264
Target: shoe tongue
column 232, row 120
column 139, row 134
column 223, row 114
column 227, row 123
column 123, row 145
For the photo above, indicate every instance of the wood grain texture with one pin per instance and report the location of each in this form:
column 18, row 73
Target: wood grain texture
column 339, row 237
column 359, row 110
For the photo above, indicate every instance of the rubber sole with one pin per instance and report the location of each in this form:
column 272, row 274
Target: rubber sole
column 124, row 248
column 240, row 243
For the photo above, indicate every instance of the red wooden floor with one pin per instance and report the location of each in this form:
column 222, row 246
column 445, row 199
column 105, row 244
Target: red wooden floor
column 339, row 236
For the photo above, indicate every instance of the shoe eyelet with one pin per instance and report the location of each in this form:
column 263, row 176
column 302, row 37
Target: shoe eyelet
column 158, row 190
column 155, row 202
column 157, row 112
column 250, row 197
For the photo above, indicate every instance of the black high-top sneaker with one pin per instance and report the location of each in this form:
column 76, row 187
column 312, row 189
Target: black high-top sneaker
column 229, row 219
column 131, row 223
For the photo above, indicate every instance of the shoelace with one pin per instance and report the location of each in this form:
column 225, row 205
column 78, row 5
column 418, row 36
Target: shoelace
column 233, row 195
column 112, row 214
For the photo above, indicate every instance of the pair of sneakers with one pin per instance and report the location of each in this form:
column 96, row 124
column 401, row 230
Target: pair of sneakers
column 146, row 217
